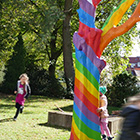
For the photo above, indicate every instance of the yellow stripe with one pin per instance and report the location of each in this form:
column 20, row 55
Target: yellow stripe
column 86, row 83
column 79, row 134
column 116, row 17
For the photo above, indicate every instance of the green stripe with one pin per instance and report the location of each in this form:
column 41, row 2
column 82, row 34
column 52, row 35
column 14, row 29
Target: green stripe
column 106, row 22
column 87, row 74
column 85, row 129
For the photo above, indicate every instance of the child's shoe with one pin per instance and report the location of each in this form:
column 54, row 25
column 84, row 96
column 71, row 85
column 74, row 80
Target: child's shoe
column 110, row 138
column 103, row 137
column 14, row 119
column 21, row 109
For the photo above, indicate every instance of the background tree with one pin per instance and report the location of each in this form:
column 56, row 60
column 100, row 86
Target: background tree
column 15, row 66
column 120, row 47
column 47, row 26
column 67, row 46
column 41, row 23
column 123, row 86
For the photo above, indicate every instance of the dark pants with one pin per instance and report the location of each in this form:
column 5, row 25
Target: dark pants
column 19, row 109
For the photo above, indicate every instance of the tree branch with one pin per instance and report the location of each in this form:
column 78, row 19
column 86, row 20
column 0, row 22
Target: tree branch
column 48, row 52
column 33, row 3
column 117, row 31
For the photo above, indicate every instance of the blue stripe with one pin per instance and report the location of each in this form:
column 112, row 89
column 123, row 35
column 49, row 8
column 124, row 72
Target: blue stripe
column 87, row 122
column 86, row 18
column 86, row 62
column 90, row 115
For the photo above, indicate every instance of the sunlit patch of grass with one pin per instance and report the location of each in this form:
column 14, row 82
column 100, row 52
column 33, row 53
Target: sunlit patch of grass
column 32, row 124
column 28, row 125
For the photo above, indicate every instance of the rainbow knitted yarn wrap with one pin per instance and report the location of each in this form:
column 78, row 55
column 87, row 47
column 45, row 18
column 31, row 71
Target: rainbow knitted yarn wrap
column 85, row 122
column 88, row 50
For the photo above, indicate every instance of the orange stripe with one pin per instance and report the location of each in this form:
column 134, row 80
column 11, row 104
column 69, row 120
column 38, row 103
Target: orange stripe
column 88, row 95
column 74, row 135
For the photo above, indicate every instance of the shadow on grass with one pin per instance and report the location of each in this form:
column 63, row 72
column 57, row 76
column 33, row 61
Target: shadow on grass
column 32, row 98
column 66, row 108
column 6, row 120
column 53, row 126
column 5, row 107
column 29, row 112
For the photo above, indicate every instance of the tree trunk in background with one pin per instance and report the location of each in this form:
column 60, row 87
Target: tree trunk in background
column 67, row 47
column 54, row 53
column 52, row 70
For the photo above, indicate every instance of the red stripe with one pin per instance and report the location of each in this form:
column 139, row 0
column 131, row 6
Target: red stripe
column 85, row 101
column 95, row 2
column 92, row 37
column 71, row 136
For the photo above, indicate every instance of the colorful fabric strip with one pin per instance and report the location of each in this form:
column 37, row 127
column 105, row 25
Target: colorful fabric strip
column 116, row 15
column 87, row 7
column 86, row 62
column 83, row 71
column 78, row 133
column 86, row 83
column 86, row 18
column 96, row 2
column 84, row 93
column 86, row 121
column 86, row 112
column 85, row 129
column 91, row 36
column 80, row 44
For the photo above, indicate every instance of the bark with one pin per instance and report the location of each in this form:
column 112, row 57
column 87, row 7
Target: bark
column 67, row 47
column 55, row 53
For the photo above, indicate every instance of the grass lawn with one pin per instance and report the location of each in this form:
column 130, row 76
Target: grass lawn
column 32, row 123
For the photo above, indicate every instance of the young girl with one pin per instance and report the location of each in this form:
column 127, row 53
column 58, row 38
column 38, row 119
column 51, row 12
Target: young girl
column 23, row 91
column 104, row 114
column 131, row 115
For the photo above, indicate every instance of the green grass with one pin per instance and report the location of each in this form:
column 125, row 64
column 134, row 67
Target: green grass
column 32, row 123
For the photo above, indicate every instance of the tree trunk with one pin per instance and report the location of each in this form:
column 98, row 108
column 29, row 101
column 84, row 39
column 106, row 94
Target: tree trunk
column 52, row 70
column 67, row 48
column 54, row 54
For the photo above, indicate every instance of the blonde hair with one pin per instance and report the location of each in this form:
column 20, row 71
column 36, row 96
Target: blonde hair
column 133, row 99
column 24, row 75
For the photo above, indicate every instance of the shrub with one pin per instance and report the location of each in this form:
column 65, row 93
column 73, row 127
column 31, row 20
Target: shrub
column 15, row 67
column 123, row 86
column 42, row 84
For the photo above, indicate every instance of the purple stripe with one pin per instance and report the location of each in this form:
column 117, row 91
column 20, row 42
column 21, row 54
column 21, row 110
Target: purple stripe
column 91, row 116
column 80, row 44
column 87, row 7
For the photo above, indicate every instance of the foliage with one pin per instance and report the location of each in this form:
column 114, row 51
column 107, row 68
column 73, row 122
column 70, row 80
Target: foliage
column 120, row 47
column 41, row 22
column 39, row 19
column 15, row 66
column 42, row 84
column 123, row 86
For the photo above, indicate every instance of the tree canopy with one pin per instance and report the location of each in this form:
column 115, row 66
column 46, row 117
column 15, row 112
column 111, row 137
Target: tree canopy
column 42, row 25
